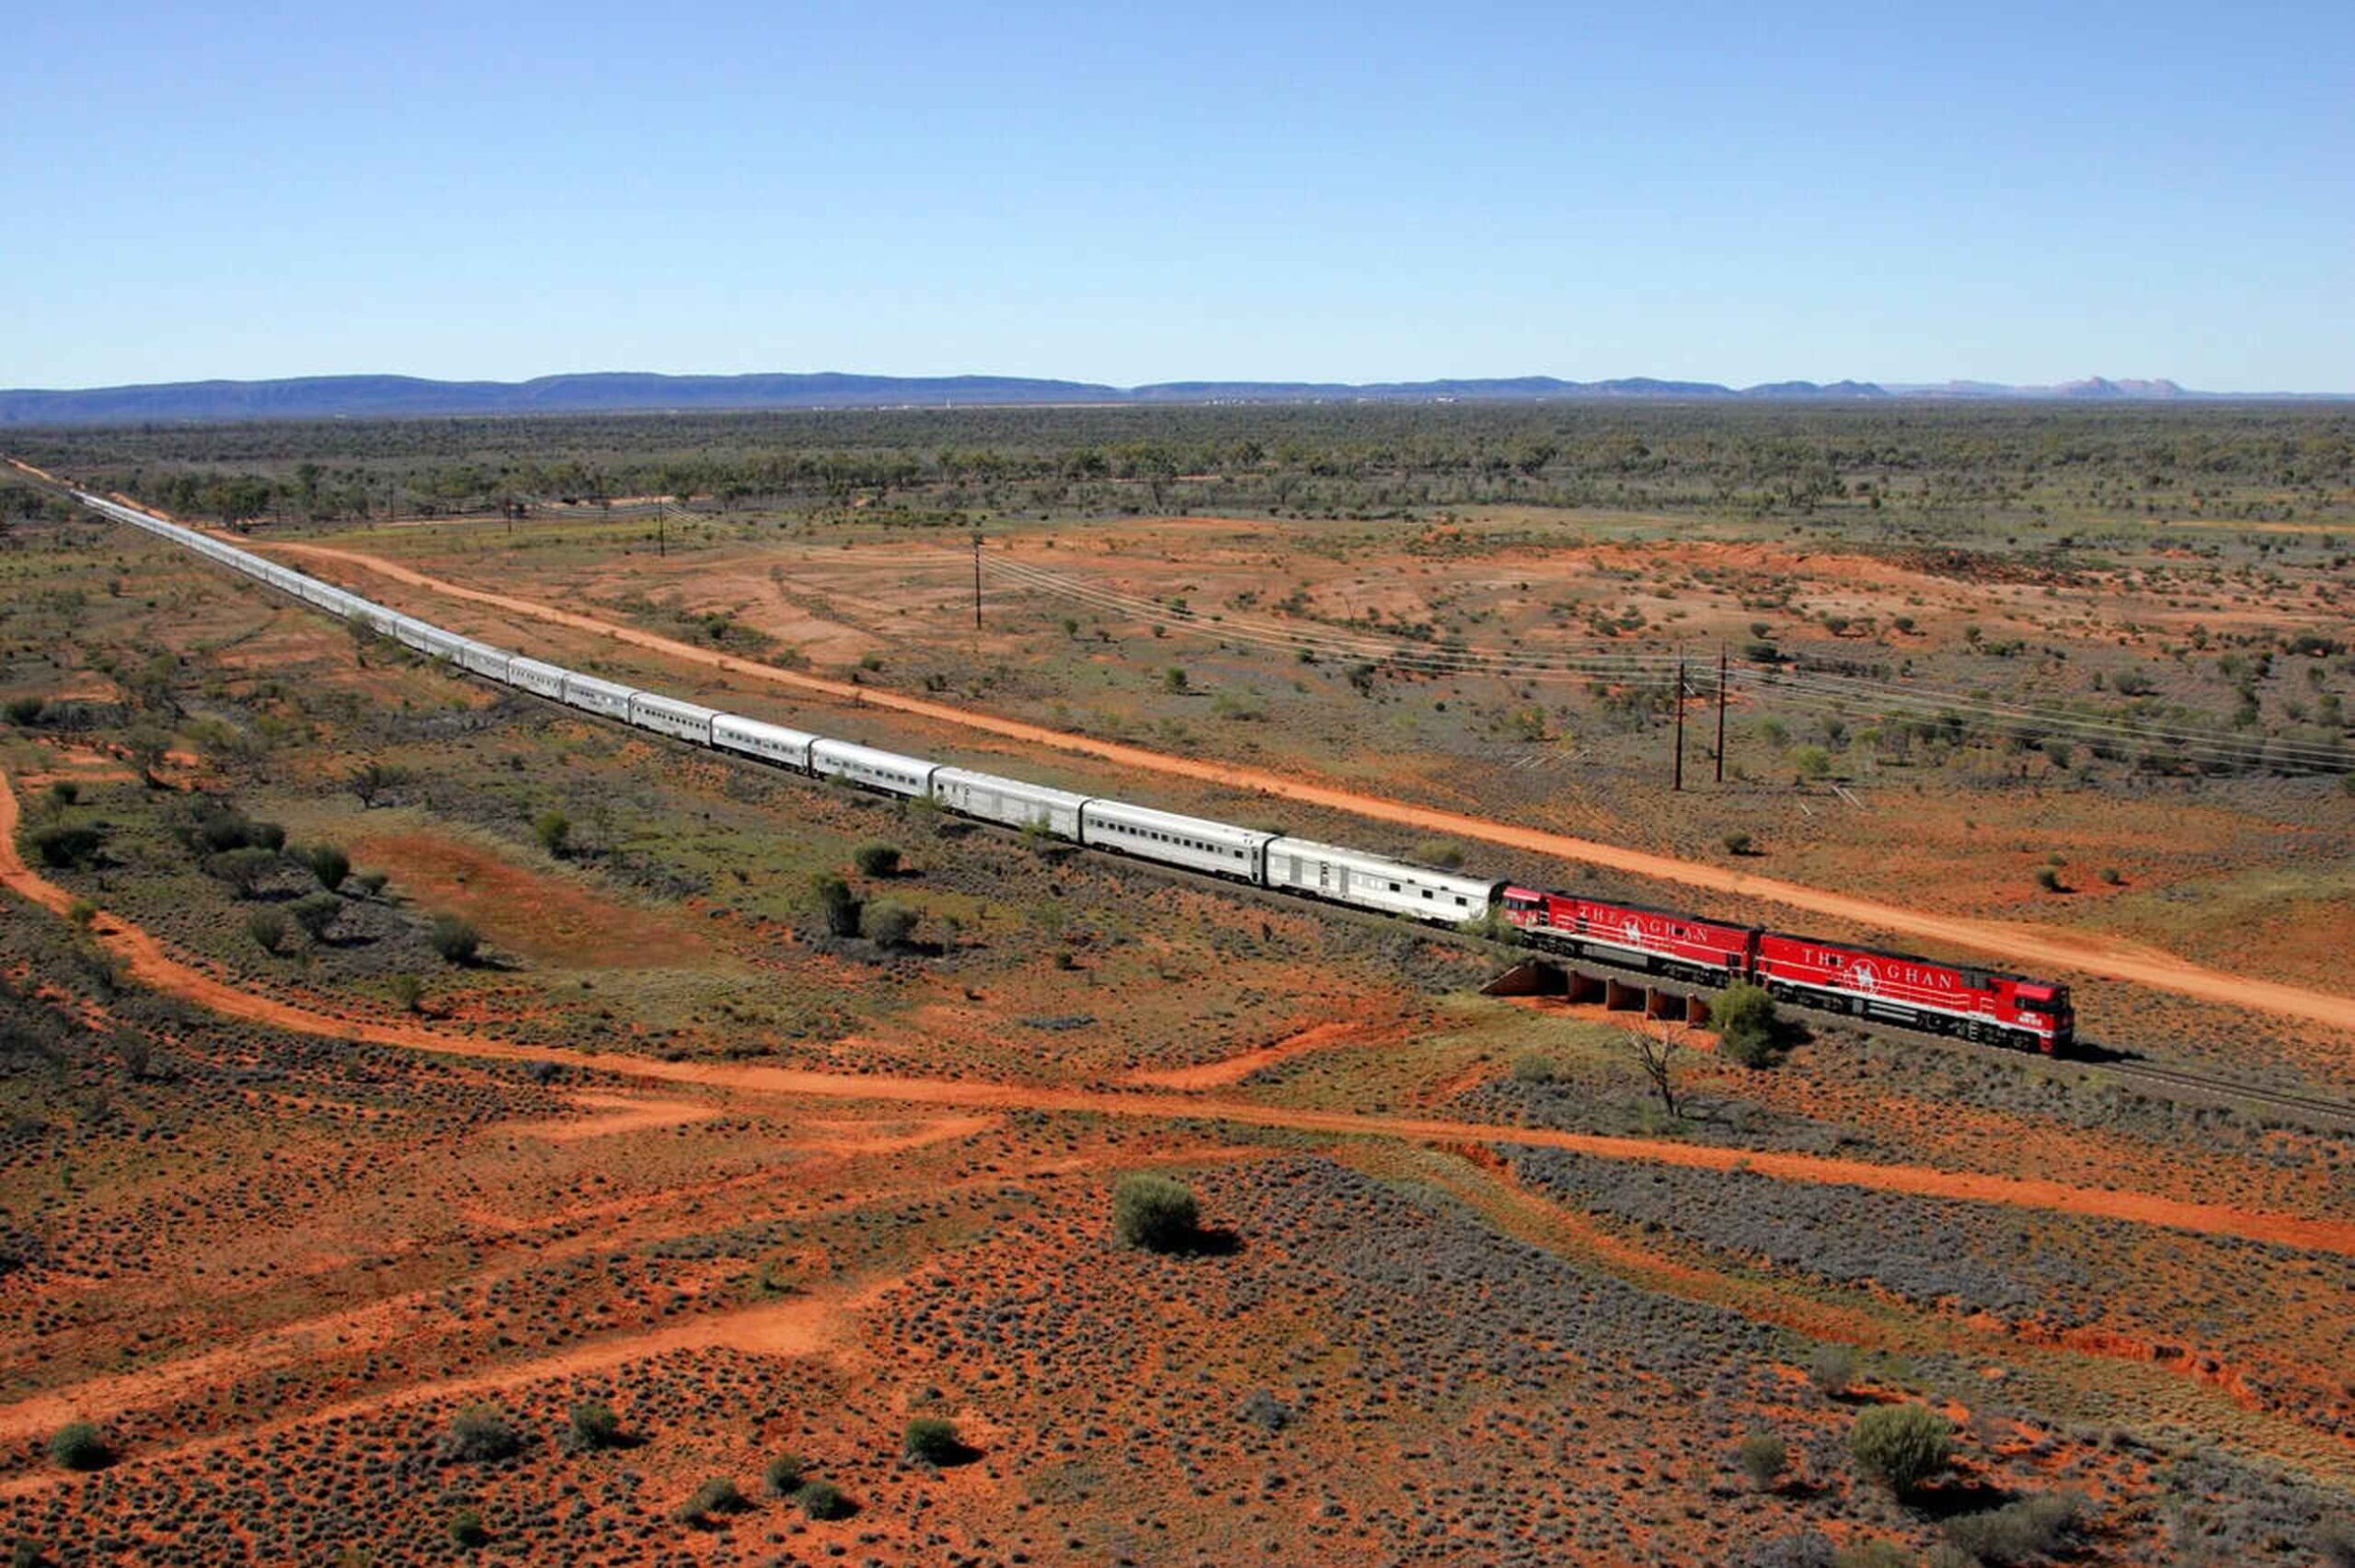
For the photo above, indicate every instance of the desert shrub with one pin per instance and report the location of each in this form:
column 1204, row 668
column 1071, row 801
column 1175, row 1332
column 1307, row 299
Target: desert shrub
column 78, row 1445
column 876, row 858
column 1764, row 1457
column 1533, row 1067
column 1175, row 677
column 2022, row 1532
column 64, row 793
column 933, row 1441
column 1445, row 853
column 82, row 913
column 268, row 836
column 1832, row 1369
column 1873, row 1553
column 1808, row 1549
column 314, row 912
column 839, row 906
column 466, row 1529
column 593, row 1425
column 370, row 883
column 2110, row 876
column 455, row 939
column 329, row 863
column 783, row 1475
column 889, row 923
column 1154, row 1212
column 718, row 1495
column 26, row 1552
column 407, row 991
column 1491, row 925
column 25, row 712
column 242, row 869
column 823, row 1499
column 66, row 844
column 2334, row 1542
column 554, row 829
column 1738, row 843
column 480, row 1435
column 1748, row 1030
column 2049, row 878
column 1811, row 762
column 268, row 928
column 1901, row 1445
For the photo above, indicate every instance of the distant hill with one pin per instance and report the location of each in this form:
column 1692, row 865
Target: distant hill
column 618, row 392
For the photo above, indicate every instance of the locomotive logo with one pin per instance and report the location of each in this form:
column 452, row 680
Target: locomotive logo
column 1633, row 931
column 1865, row 977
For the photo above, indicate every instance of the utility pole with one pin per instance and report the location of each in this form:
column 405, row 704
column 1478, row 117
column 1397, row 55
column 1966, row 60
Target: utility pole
column 661, row 531
column 977, row 579
column 1721, row 713
column 1679, row 783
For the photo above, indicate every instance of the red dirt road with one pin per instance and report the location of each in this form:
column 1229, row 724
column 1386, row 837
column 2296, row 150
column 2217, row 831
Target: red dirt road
column 153, row 967
column 2035, row 946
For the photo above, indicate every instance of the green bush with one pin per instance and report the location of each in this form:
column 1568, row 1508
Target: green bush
column 1533, row 1067
column 78, row 1445
column 1738, row 843
column 2049, row 878
column 242, row 869
column 268, row 928
column 2027, row 1532
column 369, row 883
column 1901, row 1445
column 718, row 1495
column 933, row 1441
column 840, row 907
column 889, row 924
column 480, row 1435
column 823, row 1499
column 1764, row 1457
column 466, row 1529
column 1748, row 1031
column 65, row 845
column 1832, row 1369
column 64, row 793
column 554, row 829
column 329, row 863
column 455, row 939
column 406, row 990
column 82, row 913
column 25, row 712
column 1175, row 677
column 876, row 858
column 1154, row 1212
column 314, row 912
column 593, row 1426
column 783, row 1475
column 1811, row 762
column 1445, row 853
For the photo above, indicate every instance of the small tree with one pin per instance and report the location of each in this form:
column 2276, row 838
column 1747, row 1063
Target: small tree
column 480, row 1435
column 554, row 829
column 329, row 863
column 718, row 1495
column 933, row 1441
column 1154, row 1212
column 1811, row 762
column 1901, row 1445
column 593, row 1425
column 889, row 924
column 1738, row 843
column 314, row 912
column 783, row 1475
column 268, row 928
column 838, row 904
column 1175, row 677
column 1748, row 1031
column 1655, row 1045
column 456, row 940
column 66, row 845
column 372, row 780
column 64, row 793
column 823, row 1499
column 1764, row 1457
column 244, row 869
column 78, row 1445
column 876, row 858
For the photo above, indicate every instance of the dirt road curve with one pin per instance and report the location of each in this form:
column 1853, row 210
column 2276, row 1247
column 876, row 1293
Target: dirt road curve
column 153, row 967
column 2027, row 946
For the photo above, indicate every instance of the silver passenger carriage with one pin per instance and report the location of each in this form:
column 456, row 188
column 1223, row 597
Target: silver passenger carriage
column 670, row 715
column 769, row 742
column 1195, row 843
column 886, row 771
column 1010, row 801
column 1376, row 882
column 589, row 695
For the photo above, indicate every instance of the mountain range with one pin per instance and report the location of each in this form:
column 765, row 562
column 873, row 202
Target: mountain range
column 618, row 392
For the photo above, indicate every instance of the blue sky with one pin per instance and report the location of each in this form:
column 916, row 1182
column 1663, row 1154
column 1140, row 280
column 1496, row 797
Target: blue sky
column 1728, row 192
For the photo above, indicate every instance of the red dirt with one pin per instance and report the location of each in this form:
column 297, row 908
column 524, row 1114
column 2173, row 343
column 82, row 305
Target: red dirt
column 150, row 966
column 622, row 1114
column 1235, row 1069
column 2090, row 952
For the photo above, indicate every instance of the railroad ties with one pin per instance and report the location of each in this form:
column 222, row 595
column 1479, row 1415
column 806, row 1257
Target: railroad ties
column 1618, row 993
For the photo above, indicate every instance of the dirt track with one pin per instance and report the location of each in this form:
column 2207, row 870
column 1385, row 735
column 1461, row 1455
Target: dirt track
column 153, row 967
column 2035, row 946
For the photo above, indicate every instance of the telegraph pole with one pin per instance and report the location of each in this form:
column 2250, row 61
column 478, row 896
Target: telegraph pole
column 1721, row 713
column 662, row 531
column 977, row 579
column 1680, row 723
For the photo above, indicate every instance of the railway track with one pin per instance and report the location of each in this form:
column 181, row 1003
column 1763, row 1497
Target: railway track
column 2340, row 1112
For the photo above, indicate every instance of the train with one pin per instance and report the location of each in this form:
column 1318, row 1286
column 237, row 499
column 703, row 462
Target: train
column 1976, row 1004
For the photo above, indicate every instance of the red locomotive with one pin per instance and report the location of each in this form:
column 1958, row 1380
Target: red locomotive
column 1894, row 988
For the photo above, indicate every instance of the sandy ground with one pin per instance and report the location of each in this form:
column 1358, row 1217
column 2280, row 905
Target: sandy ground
column 2030, row 945
column 150, row 965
